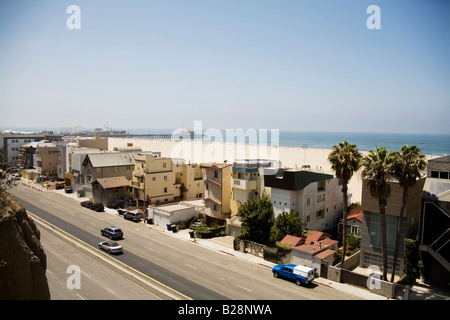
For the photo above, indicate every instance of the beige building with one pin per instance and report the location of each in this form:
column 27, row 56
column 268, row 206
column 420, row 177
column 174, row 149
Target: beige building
column 47, row 159
column 154, row 178
column 191, row 180
column 217, row 179
column 97, row 143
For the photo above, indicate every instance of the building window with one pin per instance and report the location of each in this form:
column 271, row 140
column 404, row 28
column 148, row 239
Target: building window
column 165, row 190
column 165, row 178
column 216, row 174
column 435, row 174
column 215, row 207
column 308, row 201
column 321, row 197
column 164, row 165
column 308, row 218
column 320, row 213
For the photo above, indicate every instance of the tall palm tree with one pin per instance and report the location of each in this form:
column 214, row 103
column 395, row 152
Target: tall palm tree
column 345, row 159
column 376, row 170
column 407, row 166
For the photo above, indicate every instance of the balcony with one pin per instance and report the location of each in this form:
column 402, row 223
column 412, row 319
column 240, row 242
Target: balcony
column 246, row 185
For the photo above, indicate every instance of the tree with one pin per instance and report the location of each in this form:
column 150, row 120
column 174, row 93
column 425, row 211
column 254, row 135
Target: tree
column 345, row 159
column 256, row 220
column 407, row 166
column 286, row 223
column 376, row 171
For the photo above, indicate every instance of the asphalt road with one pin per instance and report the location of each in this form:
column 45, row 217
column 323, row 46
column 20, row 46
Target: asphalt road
column 195, row 271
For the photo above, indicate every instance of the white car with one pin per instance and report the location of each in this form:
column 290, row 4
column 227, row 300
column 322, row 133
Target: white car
column 110, row 246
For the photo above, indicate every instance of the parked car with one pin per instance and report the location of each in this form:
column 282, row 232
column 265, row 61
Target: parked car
column 99, row 207
column 299, row 274
column 86, row 203
column 112, row 232
column 110, row 247
column 134, row 215
column 118, row 204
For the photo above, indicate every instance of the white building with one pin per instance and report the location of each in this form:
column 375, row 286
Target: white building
column 317, row 197
column 175, row 213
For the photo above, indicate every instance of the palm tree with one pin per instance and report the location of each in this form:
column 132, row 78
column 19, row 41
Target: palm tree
column 376, row 170
column 345, row 159
column 407, row 166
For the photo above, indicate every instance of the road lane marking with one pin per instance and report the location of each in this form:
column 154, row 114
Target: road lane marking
column 245, row 288
column 190, row 266
column 110, row 290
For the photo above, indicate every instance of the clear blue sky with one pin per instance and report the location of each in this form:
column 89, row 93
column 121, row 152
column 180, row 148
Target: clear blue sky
column 306, row 65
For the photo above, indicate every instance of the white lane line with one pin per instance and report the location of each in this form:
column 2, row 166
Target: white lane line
column 110, row 290
column 153, row 250
column 245, row 288
column 190, row 266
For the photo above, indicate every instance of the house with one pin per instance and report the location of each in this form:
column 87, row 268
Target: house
column 154, row 178
column 248, row 180
column 371, row 249
column 174, row 213
column 434, row 227
column 311, row 250
column 315, row 196
column 87, row 168
column 217, row 181
column 108, row 190
column 354, row 223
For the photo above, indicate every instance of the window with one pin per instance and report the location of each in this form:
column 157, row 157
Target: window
column 215, row 207
column 435, row 174
column 308, row 201
column 216, row 174
column 165, row 178
column 320, row 213
column 321, row 197
column 443, row 175
column 308, row 218
column 164, row 165
column 165, row 190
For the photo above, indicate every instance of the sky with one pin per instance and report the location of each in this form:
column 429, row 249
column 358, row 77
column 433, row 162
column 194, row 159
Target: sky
column 305, row 65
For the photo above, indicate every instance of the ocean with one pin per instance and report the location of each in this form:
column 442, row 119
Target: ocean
column 429, row 144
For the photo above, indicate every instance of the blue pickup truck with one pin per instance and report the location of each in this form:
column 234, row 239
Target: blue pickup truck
column 299, row 274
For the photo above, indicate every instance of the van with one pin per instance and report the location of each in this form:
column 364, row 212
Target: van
column 134, row 215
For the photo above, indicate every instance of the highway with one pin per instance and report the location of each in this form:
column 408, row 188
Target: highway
column 189, row 270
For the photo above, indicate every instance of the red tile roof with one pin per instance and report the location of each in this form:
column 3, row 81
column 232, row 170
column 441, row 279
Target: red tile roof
column 354, row 214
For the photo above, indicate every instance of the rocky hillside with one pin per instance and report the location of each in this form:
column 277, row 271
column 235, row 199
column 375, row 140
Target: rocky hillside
column 22, row 258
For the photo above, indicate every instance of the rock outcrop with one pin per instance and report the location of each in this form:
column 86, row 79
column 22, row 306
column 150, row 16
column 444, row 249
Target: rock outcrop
column 22, row 258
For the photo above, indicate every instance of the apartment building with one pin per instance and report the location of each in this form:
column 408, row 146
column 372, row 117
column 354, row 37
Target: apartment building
column 12, row 141
column 434, row 229
column 371, row 248
column 248, row 180
column 317, row 197
column 217, row 179
column 190, row 179
column 154, row 178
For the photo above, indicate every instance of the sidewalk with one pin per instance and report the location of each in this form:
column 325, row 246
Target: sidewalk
column 225, row 246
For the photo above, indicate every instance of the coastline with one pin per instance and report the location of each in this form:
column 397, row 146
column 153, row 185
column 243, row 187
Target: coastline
column 204, row 152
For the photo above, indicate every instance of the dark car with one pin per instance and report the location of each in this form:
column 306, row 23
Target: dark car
column 99, row 207
column 118, row 204
column 86, row 203
column 110, row 246
column 132, row 215
column 112, row 232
